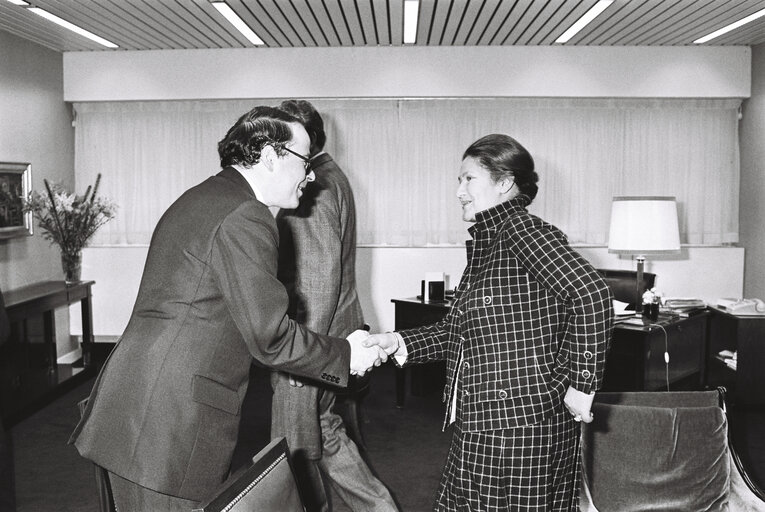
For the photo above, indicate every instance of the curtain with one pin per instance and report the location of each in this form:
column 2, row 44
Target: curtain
column 402, row 157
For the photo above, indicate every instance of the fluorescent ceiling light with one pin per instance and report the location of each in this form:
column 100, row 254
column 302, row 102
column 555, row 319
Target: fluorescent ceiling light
column 74, row 28
column 730, row 27
column 238, row 23
column 19, row 2
column 582, row 22
column 411, row 11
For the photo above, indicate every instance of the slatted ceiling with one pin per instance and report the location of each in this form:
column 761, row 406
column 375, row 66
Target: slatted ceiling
column 381, row 11
column 699, row 24
column 492, row 24
column 175, row 24
column 548, row 22
column 524, row 24
column 473, row 14
column 318, row 13
column 673, row 19
column 396, row 22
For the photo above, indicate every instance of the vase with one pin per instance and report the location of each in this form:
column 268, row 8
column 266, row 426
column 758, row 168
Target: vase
column 72, row 266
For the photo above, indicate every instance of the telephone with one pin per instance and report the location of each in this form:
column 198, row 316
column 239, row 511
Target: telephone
column 742, row 306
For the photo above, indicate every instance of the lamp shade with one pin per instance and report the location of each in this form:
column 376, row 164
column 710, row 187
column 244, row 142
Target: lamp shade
column 644, row 225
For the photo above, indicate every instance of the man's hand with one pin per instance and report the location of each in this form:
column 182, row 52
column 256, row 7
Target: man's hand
column 579, row 404
column 363, row 358
column 387, row 341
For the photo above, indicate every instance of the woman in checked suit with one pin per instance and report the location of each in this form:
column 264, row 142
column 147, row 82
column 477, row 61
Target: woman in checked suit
column 525, row 343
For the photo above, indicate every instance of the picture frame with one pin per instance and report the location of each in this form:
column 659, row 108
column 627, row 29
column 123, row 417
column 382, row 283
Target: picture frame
column 15, row 185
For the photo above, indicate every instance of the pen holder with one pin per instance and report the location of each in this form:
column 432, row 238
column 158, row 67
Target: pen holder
column 651, row 311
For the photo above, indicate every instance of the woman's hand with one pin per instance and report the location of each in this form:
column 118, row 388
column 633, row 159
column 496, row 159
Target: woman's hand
column 579, row 404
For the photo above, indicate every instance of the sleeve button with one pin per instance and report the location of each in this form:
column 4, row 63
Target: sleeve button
column 502, row 394
column 487, row 300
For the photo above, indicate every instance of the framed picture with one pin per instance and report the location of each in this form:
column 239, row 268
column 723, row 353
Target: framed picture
column 15, row 185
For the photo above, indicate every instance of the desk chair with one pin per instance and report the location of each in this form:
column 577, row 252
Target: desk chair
column 268, row 484
column 623, row 283
column 104, row 488
column 663, row 451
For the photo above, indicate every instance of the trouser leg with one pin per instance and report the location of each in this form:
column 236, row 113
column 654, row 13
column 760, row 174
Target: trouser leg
column 346, row 470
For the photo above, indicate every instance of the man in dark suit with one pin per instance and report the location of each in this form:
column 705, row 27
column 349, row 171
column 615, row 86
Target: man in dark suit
column 317, row 264
column 163, row 416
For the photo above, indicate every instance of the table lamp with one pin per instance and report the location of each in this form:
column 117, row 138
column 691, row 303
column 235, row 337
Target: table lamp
column 643, row 226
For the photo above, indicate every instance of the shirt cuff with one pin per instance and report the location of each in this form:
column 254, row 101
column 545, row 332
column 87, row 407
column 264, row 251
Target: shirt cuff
column 402, row 353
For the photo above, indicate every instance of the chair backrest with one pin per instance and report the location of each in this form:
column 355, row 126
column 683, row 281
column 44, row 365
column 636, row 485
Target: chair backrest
column 656, row 451
column 623, row 283
column 269, row 484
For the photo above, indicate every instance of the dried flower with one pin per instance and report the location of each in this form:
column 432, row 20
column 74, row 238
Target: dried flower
column 66, row 219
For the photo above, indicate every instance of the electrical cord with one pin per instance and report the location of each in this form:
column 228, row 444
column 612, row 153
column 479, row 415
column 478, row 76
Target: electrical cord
column 666, row 351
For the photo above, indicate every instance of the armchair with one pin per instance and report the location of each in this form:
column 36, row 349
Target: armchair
column 663, row 451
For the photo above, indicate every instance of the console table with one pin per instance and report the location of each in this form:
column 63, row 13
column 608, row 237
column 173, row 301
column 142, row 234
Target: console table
column 746, row 336
column 635, row 361
column 29, row 373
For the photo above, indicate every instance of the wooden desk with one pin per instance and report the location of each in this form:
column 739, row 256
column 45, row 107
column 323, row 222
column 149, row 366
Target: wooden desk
column 424, row 378
column 29, row 373
column 635, row 361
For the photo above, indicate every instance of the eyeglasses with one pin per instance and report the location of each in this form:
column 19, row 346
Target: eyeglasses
column 306, row 160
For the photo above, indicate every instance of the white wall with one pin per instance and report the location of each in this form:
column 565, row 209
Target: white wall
column 388, row 273
column 752, row 198
column 35, row 127
column 409, row 71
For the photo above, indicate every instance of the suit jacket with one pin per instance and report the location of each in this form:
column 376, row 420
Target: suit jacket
column 317, row 264
column 530, row 317
column 165, row 410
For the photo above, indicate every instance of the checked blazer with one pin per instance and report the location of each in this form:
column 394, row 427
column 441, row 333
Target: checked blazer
column 530, row 317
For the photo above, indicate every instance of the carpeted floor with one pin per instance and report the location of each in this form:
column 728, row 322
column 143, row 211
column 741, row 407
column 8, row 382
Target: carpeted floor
column 405, row 447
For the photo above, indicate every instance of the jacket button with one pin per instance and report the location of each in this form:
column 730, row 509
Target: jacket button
column 465, row 366
column 487, row 300
column 465, row 392
column 586, row 374
column 587, row 354
column 502, row 394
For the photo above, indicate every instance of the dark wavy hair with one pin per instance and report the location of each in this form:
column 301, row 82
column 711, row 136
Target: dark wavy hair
column 310, row 119
column 260, row 126
column 504, row 157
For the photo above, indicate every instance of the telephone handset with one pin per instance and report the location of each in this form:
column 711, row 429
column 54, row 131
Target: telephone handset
column 742, row 306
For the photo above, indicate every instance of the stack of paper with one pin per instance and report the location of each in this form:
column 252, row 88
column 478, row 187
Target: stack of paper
column 683, row 305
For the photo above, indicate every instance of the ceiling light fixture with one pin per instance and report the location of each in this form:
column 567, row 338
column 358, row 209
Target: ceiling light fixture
column 19, row 2
column 582, row 22
column 74, row 28
column 237, row 22
column 730, row 27
column 411, row 12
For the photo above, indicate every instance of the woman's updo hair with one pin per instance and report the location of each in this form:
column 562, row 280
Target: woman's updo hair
column 504, row 157
column 245, row 139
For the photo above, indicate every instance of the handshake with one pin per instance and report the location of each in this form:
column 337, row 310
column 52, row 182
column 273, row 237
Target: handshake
column 370, row 350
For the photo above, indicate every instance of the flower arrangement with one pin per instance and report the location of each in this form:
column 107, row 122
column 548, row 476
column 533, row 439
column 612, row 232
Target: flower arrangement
column 69, row 220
